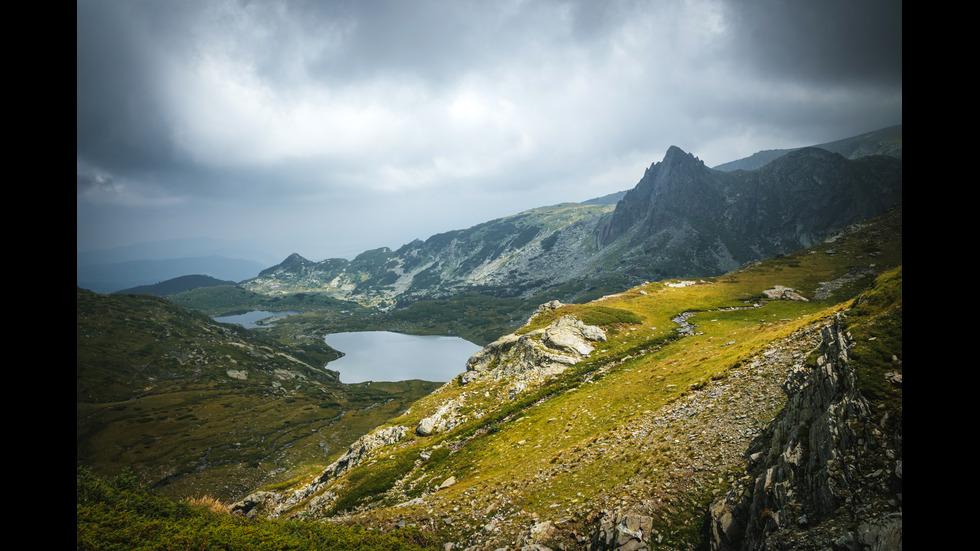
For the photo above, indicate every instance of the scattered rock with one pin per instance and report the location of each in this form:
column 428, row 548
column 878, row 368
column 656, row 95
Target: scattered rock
column 447, row 483
column 249, row 506
column 622, row 532
column 780, row 292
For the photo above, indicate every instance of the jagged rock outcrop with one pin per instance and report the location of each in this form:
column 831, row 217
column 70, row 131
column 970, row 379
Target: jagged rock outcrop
column 781, row 292
column 685, row 218
column 249, row 506
column 360, row 450
column 445, row 418
column 823, row 475
column 531, row 357
column 622, row 532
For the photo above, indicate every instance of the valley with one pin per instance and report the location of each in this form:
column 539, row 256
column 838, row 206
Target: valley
column 198, row 407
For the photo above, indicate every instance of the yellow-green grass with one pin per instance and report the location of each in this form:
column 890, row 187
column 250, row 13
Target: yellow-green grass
column 209, row 438
column 541, row 453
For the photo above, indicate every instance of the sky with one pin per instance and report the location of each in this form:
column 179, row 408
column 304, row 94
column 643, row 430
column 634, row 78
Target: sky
column 329, row 128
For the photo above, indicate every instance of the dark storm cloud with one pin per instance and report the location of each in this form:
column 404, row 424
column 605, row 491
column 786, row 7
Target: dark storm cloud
column 835, row 41
column 294, row 110
column 119, row 112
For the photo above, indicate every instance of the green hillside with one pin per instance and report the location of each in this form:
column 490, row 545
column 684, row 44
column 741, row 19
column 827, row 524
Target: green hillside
column 653, row 423
column 194, row 406
column 176, row 285
column 119, row 513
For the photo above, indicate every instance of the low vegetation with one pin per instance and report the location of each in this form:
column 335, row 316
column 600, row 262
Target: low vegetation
column 652, row 421
column 120, row 514
column 197, row 407
column 655, row 420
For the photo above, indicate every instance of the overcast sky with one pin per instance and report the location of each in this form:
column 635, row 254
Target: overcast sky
column 332, row 127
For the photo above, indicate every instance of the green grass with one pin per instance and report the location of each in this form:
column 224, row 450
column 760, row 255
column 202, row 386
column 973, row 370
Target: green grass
column 875, row 324
column 120, row 514
column 557, row 450
column 548, row 450
column 154, row 394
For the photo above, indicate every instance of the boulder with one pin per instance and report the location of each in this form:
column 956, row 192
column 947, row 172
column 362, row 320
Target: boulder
column 535, row 355
column 780, row 292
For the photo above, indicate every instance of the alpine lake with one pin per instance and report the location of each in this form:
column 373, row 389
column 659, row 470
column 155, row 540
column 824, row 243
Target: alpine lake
column 384, row 355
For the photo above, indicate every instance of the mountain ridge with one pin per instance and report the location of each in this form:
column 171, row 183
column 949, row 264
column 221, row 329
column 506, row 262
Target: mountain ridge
column 886, row 141
column 681, row 219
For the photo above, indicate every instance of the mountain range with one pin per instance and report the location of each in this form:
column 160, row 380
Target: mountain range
column 682, row 219
column 887, row 141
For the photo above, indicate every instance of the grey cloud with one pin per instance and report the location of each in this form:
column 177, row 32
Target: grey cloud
column 238, row 106
column 838, row 41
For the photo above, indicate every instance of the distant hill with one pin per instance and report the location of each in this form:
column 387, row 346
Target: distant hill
column 114, row 276
column 887, row 141
column 610, row 199
column 177, row 285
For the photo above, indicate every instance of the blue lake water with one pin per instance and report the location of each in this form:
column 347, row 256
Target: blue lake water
column 386, row 356
column 249, row 319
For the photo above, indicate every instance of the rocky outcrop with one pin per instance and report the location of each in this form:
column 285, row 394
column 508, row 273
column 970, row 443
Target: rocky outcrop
column 531, row 357
column 445, row 418
column 250, row 505
column 825, row 474
column 781, row 292
column 622, row 532
column 360, row 450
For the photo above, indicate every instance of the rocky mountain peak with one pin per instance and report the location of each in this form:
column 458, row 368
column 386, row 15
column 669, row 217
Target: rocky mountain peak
column 680, row 183
column 677, row 157
column 293, row 263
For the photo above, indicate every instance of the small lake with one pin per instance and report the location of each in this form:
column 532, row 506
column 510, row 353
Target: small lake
column 249, row 319
column 386, row 356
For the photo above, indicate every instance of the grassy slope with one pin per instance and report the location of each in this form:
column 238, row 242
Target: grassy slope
column 118, row 513
column 606, row 434
column 154, row 394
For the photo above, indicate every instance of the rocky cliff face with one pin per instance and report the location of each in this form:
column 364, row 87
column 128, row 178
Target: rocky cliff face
column 826, row 474
column 685, row 218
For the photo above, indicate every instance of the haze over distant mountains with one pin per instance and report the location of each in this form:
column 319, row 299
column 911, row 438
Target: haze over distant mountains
column 553, row 242
column 887, row 141
column 111, row 270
